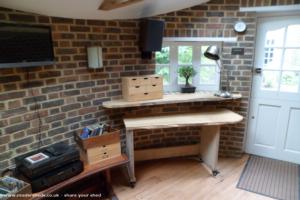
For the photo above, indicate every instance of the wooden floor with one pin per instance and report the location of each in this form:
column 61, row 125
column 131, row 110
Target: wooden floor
column 178, row 179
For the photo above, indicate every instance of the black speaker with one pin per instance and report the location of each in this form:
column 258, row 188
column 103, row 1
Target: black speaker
column 151, row 35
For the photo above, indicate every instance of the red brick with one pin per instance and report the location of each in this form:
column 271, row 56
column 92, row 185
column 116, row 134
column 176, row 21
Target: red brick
column 87, row 110
column 14, row 104
column 22, row 18
column 4, row 139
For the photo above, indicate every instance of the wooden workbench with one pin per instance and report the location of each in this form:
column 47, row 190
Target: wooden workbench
column 170, row 98
column 210, row 135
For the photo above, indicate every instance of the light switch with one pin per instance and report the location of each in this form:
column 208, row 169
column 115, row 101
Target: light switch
column 95, row 60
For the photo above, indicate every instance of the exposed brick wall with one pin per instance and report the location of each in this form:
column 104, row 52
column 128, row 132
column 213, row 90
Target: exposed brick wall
column 70, row 96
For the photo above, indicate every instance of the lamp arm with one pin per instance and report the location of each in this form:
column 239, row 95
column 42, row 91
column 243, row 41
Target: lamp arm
column 220, row 69
column 227, row 81
column 219, row 65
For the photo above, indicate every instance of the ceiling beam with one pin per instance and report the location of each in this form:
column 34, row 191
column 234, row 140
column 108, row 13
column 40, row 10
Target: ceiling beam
column 114, row 4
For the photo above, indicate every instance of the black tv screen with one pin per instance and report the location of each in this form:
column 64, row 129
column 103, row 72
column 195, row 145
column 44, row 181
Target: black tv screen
column 25, row 45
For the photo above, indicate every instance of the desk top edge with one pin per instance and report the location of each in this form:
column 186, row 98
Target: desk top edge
column 170, row 99
column 135, row 123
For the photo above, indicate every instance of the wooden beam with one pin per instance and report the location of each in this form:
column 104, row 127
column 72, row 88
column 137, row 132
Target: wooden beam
column 114, row 4
column 167, row 152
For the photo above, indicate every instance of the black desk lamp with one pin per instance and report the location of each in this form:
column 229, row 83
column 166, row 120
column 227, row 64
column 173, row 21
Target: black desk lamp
column 212, row 52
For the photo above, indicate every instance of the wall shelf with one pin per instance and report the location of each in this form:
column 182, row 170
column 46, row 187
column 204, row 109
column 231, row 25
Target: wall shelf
column 170, row 99
column 200, row 39
column 268, row 9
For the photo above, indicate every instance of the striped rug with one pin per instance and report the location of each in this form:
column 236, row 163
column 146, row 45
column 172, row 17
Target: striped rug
column 272, row 178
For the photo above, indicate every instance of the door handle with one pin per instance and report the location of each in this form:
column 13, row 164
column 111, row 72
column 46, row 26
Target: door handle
column 258, row 70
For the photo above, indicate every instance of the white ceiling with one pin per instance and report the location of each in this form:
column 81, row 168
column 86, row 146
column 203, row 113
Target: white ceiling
column 88, row 9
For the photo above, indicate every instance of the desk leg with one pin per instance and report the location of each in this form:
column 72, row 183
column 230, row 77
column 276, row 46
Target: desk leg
column 111, row 194
column 210, row 138
column 130, row 152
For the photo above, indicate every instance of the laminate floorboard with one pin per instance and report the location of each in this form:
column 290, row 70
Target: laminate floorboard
column 184, row 179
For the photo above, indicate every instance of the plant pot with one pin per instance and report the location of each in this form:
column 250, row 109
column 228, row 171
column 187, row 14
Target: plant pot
column 188, row 89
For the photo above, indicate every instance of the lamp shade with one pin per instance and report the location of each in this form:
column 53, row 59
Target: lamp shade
column 212, row 52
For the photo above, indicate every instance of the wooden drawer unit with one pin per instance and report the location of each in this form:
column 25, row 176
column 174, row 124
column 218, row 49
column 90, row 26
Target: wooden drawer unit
column 99, row 148
column 139, row 88
column 98, row 154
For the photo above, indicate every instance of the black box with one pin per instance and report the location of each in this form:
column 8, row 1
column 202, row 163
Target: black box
column 60, row 154
column 56, row 176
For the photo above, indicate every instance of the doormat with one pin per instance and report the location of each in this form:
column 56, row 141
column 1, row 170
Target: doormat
column 273, row 178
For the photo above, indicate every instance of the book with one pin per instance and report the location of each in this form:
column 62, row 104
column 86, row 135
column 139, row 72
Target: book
column 36, row 158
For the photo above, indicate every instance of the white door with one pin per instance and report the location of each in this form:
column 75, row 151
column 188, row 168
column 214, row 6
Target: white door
column 274, row 118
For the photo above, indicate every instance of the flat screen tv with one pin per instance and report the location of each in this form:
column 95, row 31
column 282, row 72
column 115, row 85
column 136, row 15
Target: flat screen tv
column 25, row 45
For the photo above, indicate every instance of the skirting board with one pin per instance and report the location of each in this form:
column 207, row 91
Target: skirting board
column 167, row 152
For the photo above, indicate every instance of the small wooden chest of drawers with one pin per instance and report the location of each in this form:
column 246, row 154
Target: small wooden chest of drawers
column 139, row 88
column 99, row 148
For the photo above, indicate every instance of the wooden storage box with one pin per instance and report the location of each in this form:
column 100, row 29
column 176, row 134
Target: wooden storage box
column 139, row 88
column 99, row 148
column 23, row 194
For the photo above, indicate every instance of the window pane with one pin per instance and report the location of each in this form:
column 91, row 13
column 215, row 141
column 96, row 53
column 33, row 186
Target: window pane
column 185, row 54
column 275, row 38
column 289, row 82
column 272, row 58
column 291, row 59
column 205, row 60
column 164, row 71
column 181, row 80
column 270, row 80
column 208, row 75
column 293, row 36
column 163, row 57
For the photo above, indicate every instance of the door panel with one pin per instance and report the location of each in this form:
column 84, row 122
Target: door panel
column 266, row 129
column 274, row 120
column 292, row 143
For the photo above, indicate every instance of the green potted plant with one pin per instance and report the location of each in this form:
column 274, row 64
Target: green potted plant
column 187, row 73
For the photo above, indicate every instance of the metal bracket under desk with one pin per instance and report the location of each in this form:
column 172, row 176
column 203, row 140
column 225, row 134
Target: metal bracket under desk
column 210, row 136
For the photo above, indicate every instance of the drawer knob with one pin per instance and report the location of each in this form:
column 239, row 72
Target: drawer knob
column 154, row 85
column 137, row 86
column 134, row 79
column 146, row 93
column 145, row 78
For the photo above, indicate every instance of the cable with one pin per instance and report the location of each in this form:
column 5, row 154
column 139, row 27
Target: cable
column 36, row 109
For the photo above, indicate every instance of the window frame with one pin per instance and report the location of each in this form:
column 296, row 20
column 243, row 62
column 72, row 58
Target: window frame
column 173, row 85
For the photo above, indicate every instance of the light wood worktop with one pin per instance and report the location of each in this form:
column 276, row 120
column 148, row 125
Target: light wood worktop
column 204, row 118
column 170, row 99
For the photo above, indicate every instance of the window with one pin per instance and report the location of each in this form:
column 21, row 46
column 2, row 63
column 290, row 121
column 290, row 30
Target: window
column 183, row 54
column 281, row 61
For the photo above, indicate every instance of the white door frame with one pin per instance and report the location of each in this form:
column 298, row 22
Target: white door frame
column 251, row 99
